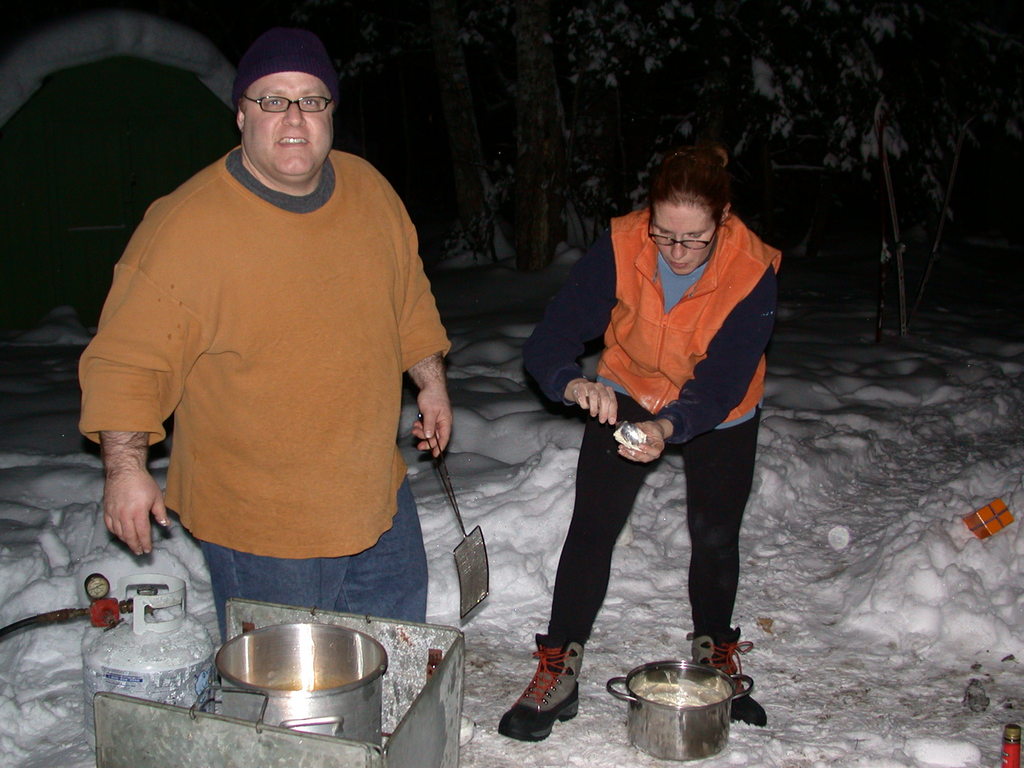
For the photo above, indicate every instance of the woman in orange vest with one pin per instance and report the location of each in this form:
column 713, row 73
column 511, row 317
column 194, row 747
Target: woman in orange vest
column 684, row 296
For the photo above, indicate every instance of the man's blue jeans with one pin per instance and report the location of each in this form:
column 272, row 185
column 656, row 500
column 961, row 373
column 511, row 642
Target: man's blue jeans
column 388, row 580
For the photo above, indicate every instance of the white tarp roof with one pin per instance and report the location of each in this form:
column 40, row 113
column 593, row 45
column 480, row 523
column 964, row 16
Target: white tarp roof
column 98, row 35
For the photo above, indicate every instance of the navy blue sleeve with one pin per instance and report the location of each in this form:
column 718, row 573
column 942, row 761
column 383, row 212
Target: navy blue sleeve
column 579, row 312
column 721, row 379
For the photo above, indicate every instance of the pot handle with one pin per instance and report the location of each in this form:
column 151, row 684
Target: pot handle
column 336, row 720
column 263, row 707
column 740, row 692
column 610, row 687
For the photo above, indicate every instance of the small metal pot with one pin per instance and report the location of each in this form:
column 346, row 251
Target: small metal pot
column 679, row 710
column 312, row 677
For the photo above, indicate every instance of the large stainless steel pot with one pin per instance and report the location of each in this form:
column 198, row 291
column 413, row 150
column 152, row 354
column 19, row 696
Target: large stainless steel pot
column 679, row 710
column 314, row 677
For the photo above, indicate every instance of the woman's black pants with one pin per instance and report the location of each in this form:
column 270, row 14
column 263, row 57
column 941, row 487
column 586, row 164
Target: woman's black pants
column 719, row 469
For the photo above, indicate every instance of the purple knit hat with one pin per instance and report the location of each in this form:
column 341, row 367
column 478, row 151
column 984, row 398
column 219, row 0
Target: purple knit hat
column 284, row 49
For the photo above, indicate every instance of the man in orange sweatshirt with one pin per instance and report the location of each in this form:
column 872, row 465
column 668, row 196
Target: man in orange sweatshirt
column 272, row 304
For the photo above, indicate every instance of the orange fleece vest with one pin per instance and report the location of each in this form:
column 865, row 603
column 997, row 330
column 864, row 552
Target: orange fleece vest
column 652, row 353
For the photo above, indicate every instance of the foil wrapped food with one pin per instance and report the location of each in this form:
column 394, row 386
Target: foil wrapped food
column 630, row 435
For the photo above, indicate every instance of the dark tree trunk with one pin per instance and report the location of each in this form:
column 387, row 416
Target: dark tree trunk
column 596, row 176
column 540, row 151
column 767, row 193
column 822, row 209
column 463, row 134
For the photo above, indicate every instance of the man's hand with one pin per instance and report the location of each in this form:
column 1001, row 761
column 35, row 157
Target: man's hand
column 434, row 425
column 657, row 432
column 130, row 494
column 597, row 399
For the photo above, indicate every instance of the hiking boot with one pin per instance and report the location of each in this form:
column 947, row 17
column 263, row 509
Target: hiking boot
column 723, row 652
column 552, row 695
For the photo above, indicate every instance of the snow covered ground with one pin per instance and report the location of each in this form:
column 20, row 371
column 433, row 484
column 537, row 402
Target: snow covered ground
column 871, row 606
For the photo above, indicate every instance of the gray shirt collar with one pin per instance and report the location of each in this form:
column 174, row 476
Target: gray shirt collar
column 293, row 203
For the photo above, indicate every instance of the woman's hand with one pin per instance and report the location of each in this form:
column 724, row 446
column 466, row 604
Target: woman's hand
column 597, row 399
column 657, row 432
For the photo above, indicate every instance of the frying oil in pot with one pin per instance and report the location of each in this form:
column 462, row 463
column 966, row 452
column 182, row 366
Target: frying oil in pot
column 319, row 682
column 307, row 670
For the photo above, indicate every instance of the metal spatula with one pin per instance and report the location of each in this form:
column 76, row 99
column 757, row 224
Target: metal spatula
column 470, row 554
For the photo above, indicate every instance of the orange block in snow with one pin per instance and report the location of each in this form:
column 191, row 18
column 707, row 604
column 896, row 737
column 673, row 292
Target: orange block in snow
column 991, row 518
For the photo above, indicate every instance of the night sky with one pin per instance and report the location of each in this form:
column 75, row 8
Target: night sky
column 393, row 115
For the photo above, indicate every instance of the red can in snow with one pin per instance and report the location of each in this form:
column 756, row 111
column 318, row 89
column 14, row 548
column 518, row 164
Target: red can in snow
column 1011, row 746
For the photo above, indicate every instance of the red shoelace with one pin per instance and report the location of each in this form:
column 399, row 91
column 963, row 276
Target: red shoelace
column 726, row 657
column 550, row 668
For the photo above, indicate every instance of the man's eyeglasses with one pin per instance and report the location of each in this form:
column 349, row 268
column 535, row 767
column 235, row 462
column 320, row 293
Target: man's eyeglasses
column 281, row 104
column 668, row 242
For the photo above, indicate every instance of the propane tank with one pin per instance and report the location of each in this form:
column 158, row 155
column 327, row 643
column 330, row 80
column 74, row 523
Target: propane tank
column 159, row 653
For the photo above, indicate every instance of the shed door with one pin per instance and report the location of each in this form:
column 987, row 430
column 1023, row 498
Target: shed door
column 81, row 162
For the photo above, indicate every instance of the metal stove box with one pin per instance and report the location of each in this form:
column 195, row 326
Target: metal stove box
column 421, row 699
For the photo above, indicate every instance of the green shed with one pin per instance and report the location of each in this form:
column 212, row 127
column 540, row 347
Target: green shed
column 100, row 114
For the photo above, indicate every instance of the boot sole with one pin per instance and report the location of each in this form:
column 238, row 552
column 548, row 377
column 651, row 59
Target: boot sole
column 746, row 710
column 539, row 734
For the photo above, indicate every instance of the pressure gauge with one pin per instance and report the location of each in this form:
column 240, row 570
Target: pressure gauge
column 97, row 586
